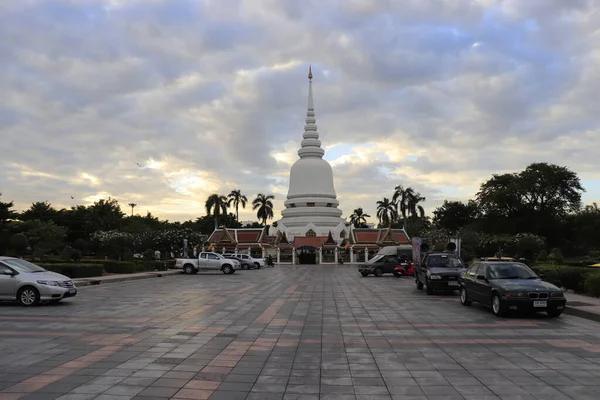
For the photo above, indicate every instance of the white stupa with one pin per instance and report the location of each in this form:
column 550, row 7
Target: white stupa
column 311, row 206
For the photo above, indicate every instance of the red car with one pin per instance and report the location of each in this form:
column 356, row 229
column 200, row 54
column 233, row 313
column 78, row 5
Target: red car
column 404, row 268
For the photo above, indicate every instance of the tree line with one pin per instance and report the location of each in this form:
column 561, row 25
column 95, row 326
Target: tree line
column 104, row 228
column 525, row 212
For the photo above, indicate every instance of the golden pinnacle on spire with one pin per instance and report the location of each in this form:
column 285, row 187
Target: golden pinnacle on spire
column 310, row 72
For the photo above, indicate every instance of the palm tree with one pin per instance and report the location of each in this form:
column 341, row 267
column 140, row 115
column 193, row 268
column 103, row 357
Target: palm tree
column 386, row 211
column 132, row 205
column 407, row 201
column 414, row 208
column 265, row 207
column 218, row 205
column 359, row 217
column 236, row 198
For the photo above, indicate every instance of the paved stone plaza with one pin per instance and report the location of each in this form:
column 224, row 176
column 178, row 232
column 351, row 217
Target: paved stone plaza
column 299, row 333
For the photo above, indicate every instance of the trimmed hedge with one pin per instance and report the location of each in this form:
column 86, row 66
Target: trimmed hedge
column 592, row 284
column 75, row 271
column 88, row 270
column 131, row 267
column 572, row 278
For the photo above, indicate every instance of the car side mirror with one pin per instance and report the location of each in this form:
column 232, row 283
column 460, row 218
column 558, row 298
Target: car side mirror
column 7, row 272
column 481, row 277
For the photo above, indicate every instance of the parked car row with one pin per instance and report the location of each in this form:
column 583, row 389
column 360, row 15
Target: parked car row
column 502, row 285
column 210, row 261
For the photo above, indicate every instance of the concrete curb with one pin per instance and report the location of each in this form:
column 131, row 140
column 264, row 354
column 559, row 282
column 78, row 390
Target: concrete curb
column 115, row 278
column 577, row 312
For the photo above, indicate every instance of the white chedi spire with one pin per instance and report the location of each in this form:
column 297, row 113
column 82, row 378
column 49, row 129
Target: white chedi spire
column 311, row 145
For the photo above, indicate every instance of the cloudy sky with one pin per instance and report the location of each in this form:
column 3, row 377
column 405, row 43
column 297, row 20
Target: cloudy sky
column 210, row 95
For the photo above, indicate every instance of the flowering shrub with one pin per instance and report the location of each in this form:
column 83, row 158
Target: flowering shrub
column 115, row 242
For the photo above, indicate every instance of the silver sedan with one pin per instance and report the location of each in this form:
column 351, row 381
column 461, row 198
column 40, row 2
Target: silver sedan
column 30, row 284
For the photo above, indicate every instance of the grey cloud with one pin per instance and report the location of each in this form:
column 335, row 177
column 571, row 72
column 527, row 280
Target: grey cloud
column 91, row 90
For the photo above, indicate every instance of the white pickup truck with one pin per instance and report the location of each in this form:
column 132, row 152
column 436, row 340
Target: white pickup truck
column 207, row 261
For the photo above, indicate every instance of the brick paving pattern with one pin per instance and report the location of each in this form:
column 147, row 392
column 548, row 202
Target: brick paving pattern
column 292, row 333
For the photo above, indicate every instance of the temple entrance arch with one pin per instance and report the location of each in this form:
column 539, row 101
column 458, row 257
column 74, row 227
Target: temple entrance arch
column 307, row 255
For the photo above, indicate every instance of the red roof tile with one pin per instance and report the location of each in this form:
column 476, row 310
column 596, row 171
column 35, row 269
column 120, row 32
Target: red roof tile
column 366, row 237
column 248, row 236
column 400, row 237
column 310, row 241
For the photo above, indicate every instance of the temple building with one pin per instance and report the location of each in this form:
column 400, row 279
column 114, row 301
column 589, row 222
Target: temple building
column 311, row 206
column 311, row 230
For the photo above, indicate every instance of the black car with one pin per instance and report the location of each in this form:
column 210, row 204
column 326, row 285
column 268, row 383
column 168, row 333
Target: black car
column 244, row 264
column 439, row 271
column 506, row 286
column 379, row 265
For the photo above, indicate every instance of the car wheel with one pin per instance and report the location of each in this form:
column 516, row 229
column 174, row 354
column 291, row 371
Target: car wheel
column 227, row 270
column 188, row 269
column 257, row 265
column 378, row 272
column 428, row 288
column 419, row 284
column 364, row 273
column 464, row 300
column 554, row 313
column 28, row 296
column 498, row 307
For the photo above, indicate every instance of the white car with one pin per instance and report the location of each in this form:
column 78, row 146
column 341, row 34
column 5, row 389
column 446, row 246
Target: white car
column 207, row 261
column 258, row 262
column 30, row 284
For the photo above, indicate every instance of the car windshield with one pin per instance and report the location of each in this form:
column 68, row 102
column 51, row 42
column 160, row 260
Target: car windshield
column 511, row 271
column 23, row 266
column 444, row 261
column 375, row 259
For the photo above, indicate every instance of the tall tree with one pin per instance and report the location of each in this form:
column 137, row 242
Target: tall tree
column 534, row 200
column 216, row 205
column 400, row 198
column 237, row 198
column 41, row 210
column 264, row 206
column 359, row 217
column 386, row 212
column 105, row 214
column 407, row 202
column 7, row 213
column 455, row 215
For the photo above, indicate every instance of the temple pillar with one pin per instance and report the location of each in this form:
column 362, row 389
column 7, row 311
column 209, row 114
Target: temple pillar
column 264, row 253
column 366, row 254
column 203, row 250
column 352, row 255
column 294, row 256
column 223, row 252
column 320, row 259
column 278, row 255
column 236, row 249
column 336, row 255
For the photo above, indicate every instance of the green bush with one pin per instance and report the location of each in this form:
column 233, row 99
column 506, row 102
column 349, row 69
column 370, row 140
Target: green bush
column 75, row 271
column 542, row 256
column 572, row 278
column 70, row 254
column 123, row 267
column 556, row 256
column 592, row 284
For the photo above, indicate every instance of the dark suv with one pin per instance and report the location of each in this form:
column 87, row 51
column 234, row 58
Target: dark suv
column 439, row 271
column 379, row 265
